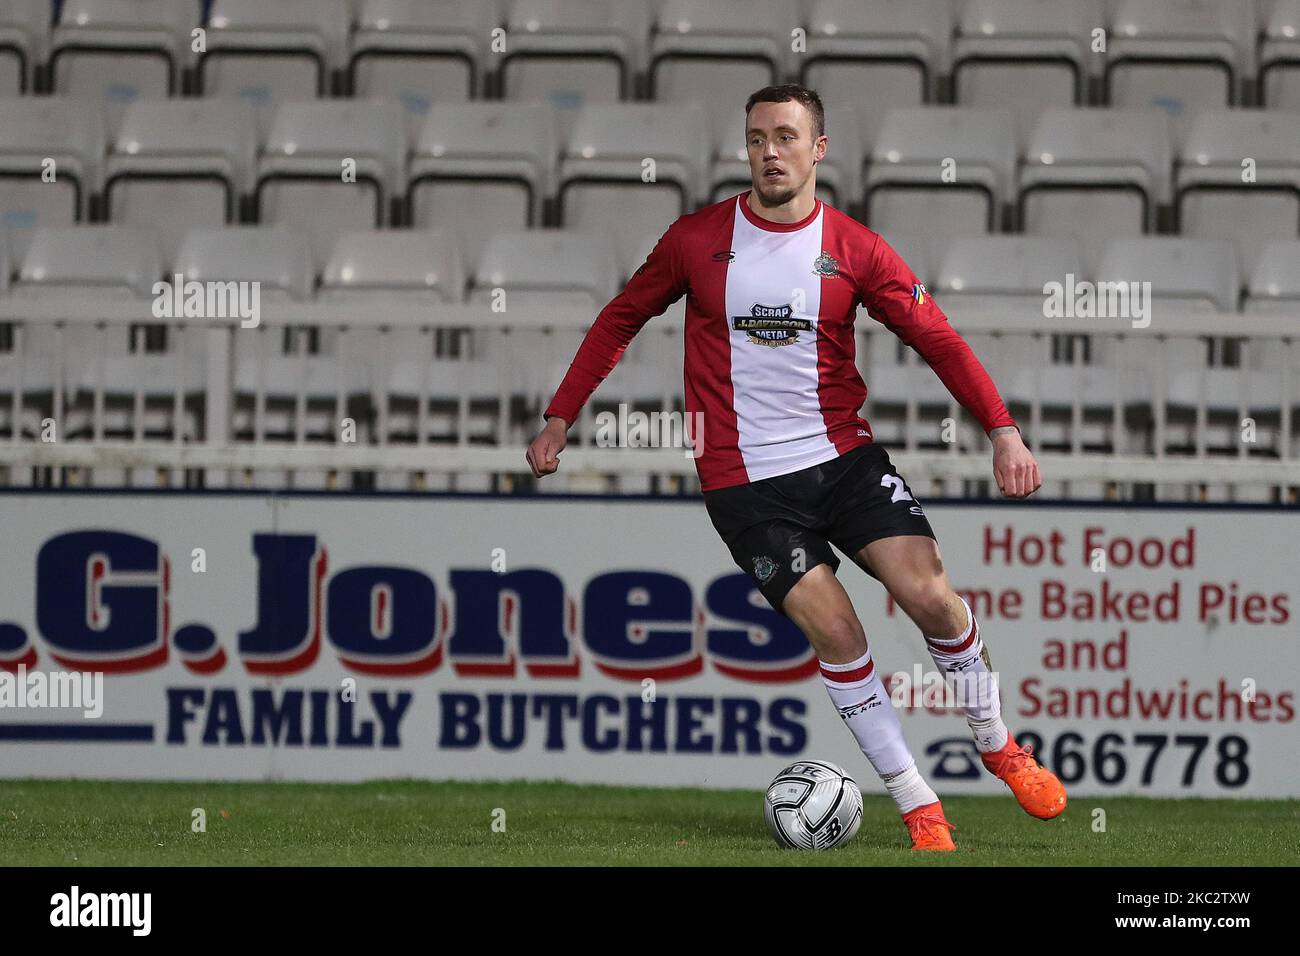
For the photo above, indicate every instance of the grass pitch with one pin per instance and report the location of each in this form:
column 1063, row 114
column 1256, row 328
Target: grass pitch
column 94, row 823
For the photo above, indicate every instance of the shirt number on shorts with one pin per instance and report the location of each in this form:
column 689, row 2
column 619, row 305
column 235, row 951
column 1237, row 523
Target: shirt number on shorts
column 895, row 484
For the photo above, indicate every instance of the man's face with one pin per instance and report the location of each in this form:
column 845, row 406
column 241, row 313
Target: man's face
column 782, row 149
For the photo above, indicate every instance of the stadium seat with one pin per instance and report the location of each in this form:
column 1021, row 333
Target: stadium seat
column 1279, row 57
column 545, row 267
column 1275, row 282
column 1040, row 369
column 992, row 272
column 1216, row 196
column 897, row 49
column 116, row 51
column 419, row 266
column 1179, row 55
column 272, row 52
column 421, row 52
column 24, row 44
column 331, row 166
column 601, row 184
column 940, row 170
column 137, row 381
column 27, row 366
column 480, row 168
column 1186, row 276
column 180, row 164
column 573, row 53
column 1024, row 55
column 728, row 48
column 92, row 261
column 1095, row 175
column 34, row 193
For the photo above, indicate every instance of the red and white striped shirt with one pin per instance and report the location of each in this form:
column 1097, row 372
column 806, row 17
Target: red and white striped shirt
column 770, row 365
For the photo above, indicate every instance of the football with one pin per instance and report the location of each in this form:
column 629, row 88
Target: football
column 813, row 805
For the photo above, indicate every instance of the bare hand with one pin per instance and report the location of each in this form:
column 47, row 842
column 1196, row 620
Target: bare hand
column 544, row 453
column 1014, row 466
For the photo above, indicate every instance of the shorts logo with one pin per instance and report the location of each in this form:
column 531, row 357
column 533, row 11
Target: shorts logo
column 825, row 265
column 764, row 568
column 771, row 325
column 916, row 510
column 919, row 292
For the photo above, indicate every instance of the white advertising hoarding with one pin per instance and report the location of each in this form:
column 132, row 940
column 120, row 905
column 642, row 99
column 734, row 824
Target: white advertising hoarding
column 320, row 637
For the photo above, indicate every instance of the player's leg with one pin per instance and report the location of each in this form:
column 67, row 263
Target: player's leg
column 912, row 570
column 820, row 607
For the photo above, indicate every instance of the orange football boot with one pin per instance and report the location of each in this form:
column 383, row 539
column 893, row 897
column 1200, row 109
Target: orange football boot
column 1036, row 788
column 928, row 828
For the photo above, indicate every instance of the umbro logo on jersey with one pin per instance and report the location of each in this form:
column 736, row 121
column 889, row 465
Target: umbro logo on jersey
column 771, row 325
column 725, row 256
column 825, row 265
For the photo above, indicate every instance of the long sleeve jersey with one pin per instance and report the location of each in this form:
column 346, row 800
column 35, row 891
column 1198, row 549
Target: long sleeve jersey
column 769, row 364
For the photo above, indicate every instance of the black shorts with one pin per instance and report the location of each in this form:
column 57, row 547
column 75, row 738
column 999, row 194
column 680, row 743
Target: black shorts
column 778, row 529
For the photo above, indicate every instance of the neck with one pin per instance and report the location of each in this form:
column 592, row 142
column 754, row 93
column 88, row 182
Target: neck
column 798, row 208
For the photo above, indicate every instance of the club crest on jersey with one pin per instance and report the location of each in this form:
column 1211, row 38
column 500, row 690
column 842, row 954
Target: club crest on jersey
column 825, row 265
column 919, row 292
column 771, row 325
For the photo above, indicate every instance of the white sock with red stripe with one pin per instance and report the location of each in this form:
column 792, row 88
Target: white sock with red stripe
column 856, row 691
column 963, row 657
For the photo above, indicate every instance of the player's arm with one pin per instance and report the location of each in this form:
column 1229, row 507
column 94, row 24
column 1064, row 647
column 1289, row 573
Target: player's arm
column 657, row 284
column 894, row 296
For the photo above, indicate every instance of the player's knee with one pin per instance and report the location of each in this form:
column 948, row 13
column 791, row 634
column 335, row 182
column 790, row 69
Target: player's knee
column 840, row 634
column 932, row 606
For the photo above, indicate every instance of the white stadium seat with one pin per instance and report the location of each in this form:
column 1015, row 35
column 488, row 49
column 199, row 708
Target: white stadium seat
column 1095, row 174
column 420, row 266
column 1025, row 55
column 91, row 261
column 1187, row 276
column 1200, row 274
column 24, row 43
column 719, row 51
column 301, row 177
column 541, row 265
column 34, row 131
column 1179, row 55
column 940, row 168
column 601, row 184
column 897, row 49
column 270, row 52
column 179, row 164
column 1279, row 57
column 1215, row 197
column 995, row 271
column 573, row 53
column 278, row 258
column 480, row 168
column 421, row 52
column 116, row 51
column 1275, row 283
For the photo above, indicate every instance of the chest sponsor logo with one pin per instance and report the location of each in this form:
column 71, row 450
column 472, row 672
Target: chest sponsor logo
column 771, row 325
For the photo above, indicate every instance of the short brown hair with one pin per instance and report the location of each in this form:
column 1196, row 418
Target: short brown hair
column 792, row 91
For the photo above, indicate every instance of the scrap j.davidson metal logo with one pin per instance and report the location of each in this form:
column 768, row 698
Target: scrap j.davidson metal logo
column 771, row 325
